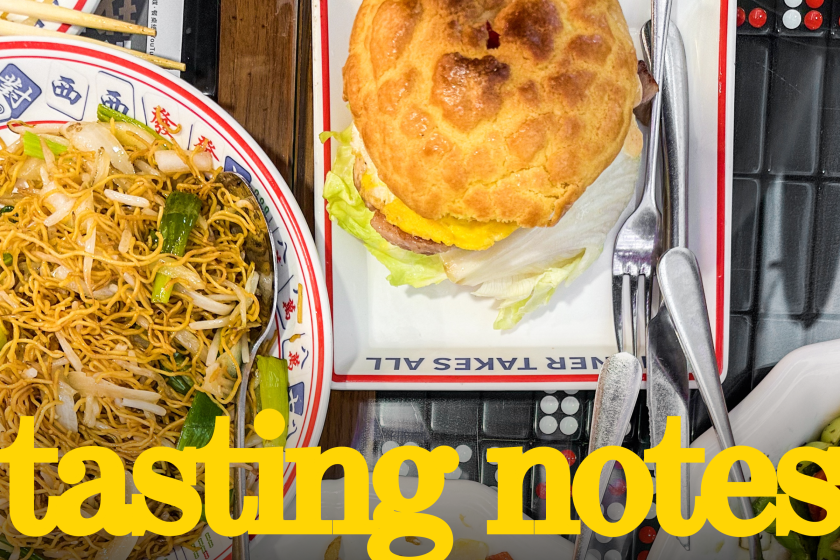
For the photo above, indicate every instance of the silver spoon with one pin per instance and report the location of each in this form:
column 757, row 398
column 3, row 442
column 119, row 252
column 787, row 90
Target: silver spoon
column 682, row 289
column 615, row 398
column 259, row 249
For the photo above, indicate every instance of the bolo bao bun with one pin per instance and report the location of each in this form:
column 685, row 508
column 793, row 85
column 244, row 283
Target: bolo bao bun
column 491, row 110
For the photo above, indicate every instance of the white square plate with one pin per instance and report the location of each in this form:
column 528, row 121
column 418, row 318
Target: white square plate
column 441, row 337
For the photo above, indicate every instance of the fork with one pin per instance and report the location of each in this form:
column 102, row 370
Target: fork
column 638, row 245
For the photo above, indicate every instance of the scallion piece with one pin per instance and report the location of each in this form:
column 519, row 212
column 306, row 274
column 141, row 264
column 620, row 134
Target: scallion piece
column 179, row 217
column 161, row 290
column 181, row 383
column 23, row 551
column 180, row 213
column 8, row 260
column 152, row 241
column 32, row 146
column 200, row 422
column 274, row 391
column 105, row 114
column 7, row 209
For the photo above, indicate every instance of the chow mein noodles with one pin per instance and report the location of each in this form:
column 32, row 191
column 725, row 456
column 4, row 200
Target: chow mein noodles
column 126, row 301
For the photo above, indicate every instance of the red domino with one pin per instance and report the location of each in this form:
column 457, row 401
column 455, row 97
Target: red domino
column 618, row 487
column 570, row 456
column 813, row 20
column 647, row 535
column 758, row 17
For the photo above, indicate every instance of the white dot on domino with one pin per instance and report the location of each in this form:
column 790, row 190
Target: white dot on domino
column 549, row 404
column 612, row 555
column 464, row 453
column 568, row 425
column 615, row 510
column 570, row 405
column 593, row 555
column 454, row 475
column 602, row 539
column 792, row 19
column 389, row 445
column 793, row 3
column 548, row 425
column 404, row 469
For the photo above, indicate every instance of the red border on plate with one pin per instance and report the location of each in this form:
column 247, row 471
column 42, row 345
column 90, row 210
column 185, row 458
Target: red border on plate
column 325, row 93
column 720, row 280
column 721, row 202
column 236, row 139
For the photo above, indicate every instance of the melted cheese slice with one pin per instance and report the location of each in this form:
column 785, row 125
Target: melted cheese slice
column 465, row 234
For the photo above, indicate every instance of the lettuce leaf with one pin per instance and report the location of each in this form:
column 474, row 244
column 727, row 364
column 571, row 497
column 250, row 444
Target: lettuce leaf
column 524, row 270
column 525, row 295
column 348, row 210
column 521, row 272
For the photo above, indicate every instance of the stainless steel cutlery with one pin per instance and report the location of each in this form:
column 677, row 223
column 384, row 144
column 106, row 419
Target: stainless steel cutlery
column 681, row 327
column 615, row 399
column 638, row 244
column 667, row 369
column 682, row 290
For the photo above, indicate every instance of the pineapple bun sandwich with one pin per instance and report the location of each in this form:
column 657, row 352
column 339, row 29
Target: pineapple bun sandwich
column 493, row 141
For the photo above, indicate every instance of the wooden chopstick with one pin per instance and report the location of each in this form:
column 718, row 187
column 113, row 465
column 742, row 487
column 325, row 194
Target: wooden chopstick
column 8, row 28
column 51, row 12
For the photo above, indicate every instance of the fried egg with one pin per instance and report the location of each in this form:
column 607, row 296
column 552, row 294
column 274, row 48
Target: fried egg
column 464, row 234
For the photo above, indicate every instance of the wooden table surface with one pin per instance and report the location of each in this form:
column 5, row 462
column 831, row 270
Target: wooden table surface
column 265, row 82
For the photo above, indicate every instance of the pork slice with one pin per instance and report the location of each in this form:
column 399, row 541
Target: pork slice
column 395, row 236
column 649, row 89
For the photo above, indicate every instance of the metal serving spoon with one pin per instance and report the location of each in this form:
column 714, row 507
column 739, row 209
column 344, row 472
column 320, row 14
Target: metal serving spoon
column 682, row 289
column 619, row 383
column 259, row 249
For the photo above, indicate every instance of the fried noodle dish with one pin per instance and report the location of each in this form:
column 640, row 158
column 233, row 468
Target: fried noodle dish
column 126, row 301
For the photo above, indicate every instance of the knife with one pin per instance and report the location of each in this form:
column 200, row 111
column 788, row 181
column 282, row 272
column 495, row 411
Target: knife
column 667, row 387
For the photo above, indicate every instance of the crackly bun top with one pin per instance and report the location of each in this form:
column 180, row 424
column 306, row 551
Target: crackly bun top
column 485, row 110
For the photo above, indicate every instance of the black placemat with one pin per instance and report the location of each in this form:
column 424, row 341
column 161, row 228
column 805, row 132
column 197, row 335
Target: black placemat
column 200, row 41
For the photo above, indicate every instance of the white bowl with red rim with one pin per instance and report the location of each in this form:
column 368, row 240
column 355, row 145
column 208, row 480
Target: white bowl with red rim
column 56, row 80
